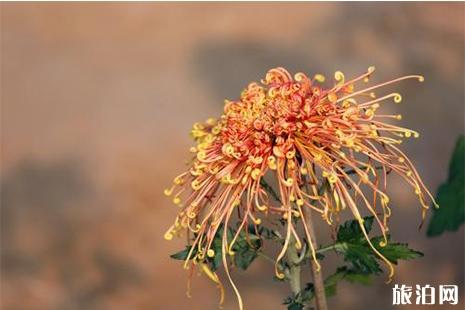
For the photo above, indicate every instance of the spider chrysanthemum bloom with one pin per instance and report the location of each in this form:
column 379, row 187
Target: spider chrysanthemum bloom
column 327, row 149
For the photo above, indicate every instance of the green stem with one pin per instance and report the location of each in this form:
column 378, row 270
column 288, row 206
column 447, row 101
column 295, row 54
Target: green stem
column 327, row 248
column 318, row 284
column 293, row 273
column 294, row 267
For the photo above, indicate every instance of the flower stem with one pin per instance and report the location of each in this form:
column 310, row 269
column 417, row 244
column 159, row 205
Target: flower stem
column 320, row 295
column 294, row 267
column 327, row 248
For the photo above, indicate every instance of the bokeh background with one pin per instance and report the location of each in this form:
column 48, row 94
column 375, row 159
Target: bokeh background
column 96, row 104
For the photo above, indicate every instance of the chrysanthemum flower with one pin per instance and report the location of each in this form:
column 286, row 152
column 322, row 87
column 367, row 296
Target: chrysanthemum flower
column 327, row 149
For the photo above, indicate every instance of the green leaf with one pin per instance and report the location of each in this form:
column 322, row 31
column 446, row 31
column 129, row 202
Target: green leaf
column 357, row 251
column 331, row 282
column 351, row 230
column 215, row 261
column 345, row 273
column 216, row 246
column 307, row 293
column 302, row 298
column 360, row 255
column 395, row 251
column 295, row 306
column 182, row 255
column 293, row 302
column 355, row 276
column 352, row 244
column 451, row 196
column 244, row 258
column 246, row 249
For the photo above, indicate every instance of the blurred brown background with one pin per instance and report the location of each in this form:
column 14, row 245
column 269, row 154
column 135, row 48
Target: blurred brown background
column 96, row 104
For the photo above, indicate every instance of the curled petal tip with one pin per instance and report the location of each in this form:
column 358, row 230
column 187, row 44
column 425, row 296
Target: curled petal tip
column 280, row 275
column 168, row 236
column 319, row 78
